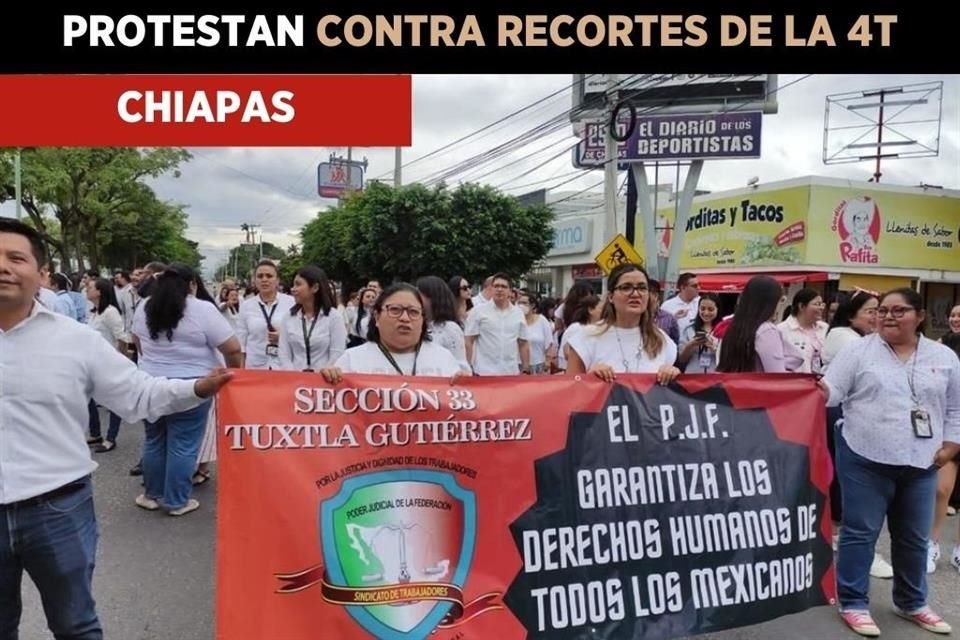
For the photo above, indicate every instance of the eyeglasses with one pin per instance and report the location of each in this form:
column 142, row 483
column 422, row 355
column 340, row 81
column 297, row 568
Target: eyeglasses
column 396, row 311
column 631, row 288
column 896, row 312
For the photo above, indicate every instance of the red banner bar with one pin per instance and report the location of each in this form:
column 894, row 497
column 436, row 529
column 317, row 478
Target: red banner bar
column 205, row 110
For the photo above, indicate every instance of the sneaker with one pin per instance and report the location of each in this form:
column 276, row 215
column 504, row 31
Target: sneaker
column 881, row 568
column 951, row 511
column 192, row 505
column 137, row 470
column 926, row 619
column 955, row 558
column 861, row 622
column 147, row 503
column 933, row 555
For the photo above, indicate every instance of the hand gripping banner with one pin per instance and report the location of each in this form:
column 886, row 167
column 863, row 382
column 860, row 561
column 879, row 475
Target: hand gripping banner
column 512, row 508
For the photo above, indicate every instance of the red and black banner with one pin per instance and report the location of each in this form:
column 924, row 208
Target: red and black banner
column 414, row 509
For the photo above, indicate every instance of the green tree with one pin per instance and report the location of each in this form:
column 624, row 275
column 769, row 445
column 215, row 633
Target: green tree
column 411, row 231
column 93, row 193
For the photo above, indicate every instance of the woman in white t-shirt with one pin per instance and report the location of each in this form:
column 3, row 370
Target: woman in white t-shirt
column 313, row 334
column 587, row 312
column 398, row 342
column 444, row 323
column 104, row 316
column 627, row 340
column 178, row 336
column 543, row 345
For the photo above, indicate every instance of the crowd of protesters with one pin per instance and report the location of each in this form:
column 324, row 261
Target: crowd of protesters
column 154, row 345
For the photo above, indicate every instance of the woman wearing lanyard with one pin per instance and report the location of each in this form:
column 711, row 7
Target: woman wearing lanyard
column 259, row 315
column 900, row 394
column 398, row 342
column 313, row 335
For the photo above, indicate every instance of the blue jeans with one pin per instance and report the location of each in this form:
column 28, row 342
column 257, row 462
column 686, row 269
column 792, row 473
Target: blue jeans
column 906, row 496
column 55, row 542
column 112, row 431
column 170, row 455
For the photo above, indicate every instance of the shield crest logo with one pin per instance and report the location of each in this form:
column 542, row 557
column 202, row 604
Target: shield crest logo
column 398, row 529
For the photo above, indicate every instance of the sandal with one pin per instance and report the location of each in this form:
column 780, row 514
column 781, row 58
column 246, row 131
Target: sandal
column 200, row 477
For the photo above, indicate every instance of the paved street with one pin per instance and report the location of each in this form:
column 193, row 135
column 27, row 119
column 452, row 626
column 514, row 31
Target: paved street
column 155, row 577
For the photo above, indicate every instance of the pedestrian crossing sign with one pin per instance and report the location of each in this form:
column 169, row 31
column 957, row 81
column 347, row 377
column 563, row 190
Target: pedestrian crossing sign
column 618, row 251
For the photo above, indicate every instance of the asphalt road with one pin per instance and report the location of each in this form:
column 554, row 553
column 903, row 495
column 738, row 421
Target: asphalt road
column 155, row 574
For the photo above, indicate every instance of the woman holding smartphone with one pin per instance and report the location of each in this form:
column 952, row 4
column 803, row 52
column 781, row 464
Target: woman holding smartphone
column 698, row 345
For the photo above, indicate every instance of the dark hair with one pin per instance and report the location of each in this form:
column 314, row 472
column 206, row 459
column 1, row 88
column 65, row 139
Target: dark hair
column 803, row 298
column 75, row 282
column 582, row 312
column 684, row 279
column 362, row 310
column 577, row 292
column 92, row 273
column 952, row 340
column 323, row 299
column 848, row 306
column 60, row 281
column 37, row 247
column 373, row 333
column 547, row 307
column 454, row 284
column 649, row 332
column 712, row 297
column 654, row 288
column 267, row 263
column 443, row 307
column 155, row 267
column 123, row 273
column 913, row 299
column 168, row 300
column 756, row 305
column 501, row 276
column 108, row 294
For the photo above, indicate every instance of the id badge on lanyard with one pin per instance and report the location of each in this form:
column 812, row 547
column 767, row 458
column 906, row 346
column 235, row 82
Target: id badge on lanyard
column 272, row 350
column 919, row 417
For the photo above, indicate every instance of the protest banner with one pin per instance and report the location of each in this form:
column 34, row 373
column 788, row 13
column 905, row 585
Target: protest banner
column 524, row 507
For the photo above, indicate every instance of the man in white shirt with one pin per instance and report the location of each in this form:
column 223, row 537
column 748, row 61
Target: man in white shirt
column 50, row 367
column 686, row 304
column 496, row 334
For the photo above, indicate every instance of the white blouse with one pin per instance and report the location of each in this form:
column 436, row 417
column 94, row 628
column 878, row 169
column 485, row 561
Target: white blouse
column 328, row 340
column 108, row 324
column 621, row 349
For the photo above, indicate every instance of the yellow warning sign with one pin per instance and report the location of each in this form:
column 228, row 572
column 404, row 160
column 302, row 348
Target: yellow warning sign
column 618, row 251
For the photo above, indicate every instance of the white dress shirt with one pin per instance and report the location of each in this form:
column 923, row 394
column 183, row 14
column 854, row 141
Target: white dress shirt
column 496, row 350
column 328, row 340
column 873, row 386
column 252, row 328
column 690, row 310
column 109, row 324
column 127, row 299
column 50, row 368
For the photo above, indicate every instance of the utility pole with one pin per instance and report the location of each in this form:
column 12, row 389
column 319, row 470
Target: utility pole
column 396, row 166
column 612, row 160
column 349, row 168
column 17, row 180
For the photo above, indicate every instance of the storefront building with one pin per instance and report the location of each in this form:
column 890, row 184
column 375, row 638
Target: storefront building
column 832, row 235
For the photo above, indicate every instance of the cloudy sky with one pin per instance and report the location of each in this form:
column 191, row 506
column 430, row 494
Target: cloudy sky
column 276, row 188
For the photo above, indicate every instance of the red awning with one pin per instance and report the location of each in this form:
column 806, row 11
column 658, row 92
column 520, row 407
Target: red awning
column 735, row 282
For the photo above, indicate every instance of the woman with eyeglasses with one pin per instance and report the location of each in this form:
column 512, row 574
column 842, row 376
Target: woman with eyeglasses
column 627, row 340
column 398, row 342
column 900, row 393
column 856, row 316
